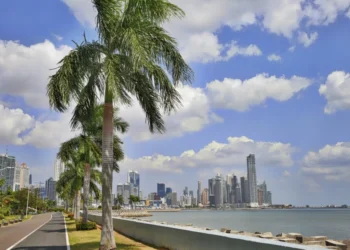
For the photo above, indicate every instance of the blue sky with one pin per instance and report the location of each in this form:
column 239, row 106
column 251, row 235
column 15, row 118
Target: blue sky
column 270, row 79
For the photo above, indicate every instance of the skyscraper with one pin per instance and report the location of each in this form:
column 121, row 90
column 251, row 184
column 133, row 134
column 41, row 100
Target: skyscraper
column 168, row 190
column 252, row 183
column 264, row 189
column 211, row 191
column 24, row 176
column 7, row 171
column 205, row 197
column 218, row 191
column 133, row 178
column 238, row 195
column 59, row 168
column 30, row 179
column 243, row 190
column 186, row 191
column 199, row 192
column 191, row 193
column 50, row 188
column 161, row 189
column 269, row 198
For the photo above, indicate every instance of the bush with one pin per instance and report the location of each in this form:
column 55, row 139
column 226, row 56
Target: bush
column 2, row 216
column 86, row 226
column 116, row 207
column 70, row 216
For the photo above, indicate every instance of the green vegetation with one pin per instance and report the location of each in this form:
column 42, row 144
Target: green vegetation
column 133, row 57
column 82, row 226
column 90, row 240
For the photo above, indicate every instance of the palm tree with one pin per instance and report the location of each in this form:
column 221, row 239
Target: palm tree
column 134, row 56
column 90, row 143
column 71, row 181
column 120, row 199
column 133, row 199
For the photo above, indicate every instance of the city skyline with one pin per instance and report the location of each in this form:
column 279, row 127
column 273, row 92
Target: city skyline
column 275, row 88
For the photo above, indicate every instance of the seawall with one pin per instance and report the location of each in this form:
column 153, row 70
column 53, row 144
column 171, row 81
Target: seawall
column 189, row 238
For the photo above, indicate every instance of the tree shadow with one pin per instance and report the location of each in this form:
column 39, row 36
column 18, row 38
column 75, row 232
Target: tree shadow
column 41, row 248
column 96, row 245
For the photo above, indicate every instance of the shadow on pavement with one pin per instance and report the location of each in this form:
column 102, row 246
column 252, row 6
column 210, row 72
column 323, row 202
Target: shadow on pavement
column 54, row 230
column 41, row 248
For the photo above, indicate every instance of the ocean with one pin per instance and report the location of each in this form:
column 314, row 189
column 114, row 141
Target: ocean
column 334, row 223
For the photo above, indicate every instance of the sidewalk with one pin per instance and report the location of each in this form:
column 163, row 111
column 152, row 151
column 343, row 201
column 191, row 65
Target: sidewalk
column 50, row 236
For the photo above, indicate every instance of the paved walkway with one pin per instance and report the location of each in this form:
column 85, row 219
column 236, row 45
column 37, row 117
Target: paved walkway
column 50, row 235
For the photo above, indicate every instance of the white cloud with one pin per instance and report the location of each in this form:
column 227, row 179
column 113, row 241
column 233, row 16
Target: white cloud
column 13, row 123
column 286, row 173
column 83, row 10
column 217, row 156
column 194, row 114
column 242, row 95
column 274, row 58
column 332, row 162
column 291, row 49
column 336, row 90
column 306, row 39
column 58, row 37
column 25, row 71
column 205, row 47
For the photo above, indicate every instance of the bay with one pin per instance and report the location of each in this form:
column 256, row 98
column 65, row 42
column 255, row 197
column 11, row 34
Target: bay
column 334, row 223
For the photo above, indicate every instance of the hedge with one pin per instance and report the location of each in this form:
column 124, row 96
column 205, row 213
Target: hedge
column 86, row 226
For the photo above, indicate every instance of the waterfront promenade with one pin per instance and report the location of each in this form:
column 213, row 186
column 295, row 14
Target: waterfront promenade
column 42, row 232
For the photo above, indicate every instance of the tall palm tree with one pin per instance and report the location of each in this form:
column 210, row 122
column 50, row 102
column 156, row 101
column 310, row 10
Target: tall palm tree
column 90, row 143
column 134, row 56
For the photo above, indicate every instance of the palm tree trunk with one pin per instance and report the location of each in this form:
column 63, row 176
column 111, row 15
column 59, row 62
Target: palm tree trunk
column 78, row 205
column 107, row 233
column 86, row 192
column 74, row 210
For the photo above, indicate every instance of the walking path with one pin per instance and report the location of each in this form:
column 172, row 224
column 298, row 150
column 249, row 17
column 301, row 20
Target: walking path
column 42, row 232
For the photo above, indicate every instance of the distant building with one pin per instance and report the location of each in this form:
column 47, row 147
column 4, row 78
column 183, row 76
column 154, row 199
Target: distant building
column 24, row 176
column 50, row 188
column 30, row 179
column 199, row 192
column 59, row 168
column 243, row 191
column 218, row 191
column 173, row 198
column 211, row 191
column 168, row 190
column 191, row 193
column 8, row 172
column 161, row 190
column 269, row 198
column 186, row 191
column 133, row 178
column 205, row 197
column 252, row 182
column 238, row 196
column 260, row 196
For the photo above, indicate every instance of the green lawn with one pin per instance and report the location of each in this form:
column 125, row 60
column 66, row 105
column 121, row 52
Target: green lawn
column 12, row 217
column 90, row 240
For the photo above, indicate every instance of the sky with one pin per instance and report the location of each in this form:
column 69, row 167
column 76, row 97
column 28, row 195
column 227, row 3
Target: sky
column 271, row 79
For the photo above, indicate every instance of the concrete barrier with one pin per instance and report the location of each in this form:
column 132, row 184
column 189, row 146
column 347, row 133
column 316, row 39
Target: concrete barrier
column 183, row 238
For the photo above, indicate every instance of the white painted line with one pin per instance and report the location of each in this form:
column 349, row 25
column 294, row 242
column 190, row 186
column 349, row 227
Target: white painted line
column 28, row 235
column 67, row 238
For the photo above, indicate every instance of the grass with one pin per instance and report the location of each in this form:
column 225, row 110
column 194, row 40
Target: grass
column 12, row 217
column 90, row 240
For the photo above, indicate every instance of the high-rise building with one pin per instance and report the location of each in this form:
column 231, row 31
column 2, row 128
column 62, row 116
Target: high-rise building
column 264, row 189
column 199, row 192
column 186, row 191
column 133, row 178
column 243, row 190
column 59, row 168
column 211, row 191
column 260, row 196
column 218, row 191
column 8, row 172
column 252, row 183
column 161, row 189
column 238, row 195
column 191, row 193
column 233, row 189
column 246, row 191
column 168, row 190
column 205, row 197
column 30, row 179
column 269, row 198
column 50, row 188
column 127, row 191
column 141, row 197
column 173, row 196
column 24, row 176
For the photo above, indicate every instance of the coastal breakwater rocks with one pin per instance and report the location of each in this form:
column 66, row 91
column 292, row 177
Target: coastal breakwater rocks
column 295, row 238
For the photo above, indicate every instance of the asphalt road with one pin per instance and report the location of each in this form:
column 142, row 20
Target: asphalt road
column 50, row 236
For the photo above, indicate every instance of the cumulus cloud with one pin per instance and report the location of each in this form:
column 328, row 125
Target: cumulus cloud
column 336, row 90
column 13, row 123
column 306, row 39
column 58, row 37
column 205, row 47
column 194, row 114
column 274, row 58
column 291, row 49
column 332, row 162
column 219, row 155
column 241, row 95
column 83, row 10
column 25, row 71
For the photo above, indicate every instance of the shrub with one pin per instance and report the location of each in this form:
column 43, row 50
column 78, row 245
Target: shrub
column 85, row 226
column 2, row 216
column 116, row 207
column 70, row 216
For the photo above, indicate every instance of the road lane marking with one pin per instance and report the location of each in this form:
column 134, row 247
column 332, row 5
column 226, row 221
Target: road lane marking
column 11, row 247
column 65, row 228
